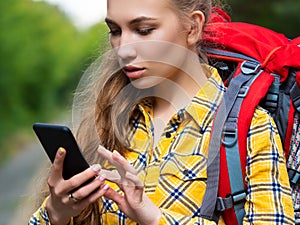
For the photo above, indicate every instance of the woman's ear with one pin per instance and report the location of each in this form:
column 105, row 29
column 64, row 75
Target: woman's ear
column 195, row 29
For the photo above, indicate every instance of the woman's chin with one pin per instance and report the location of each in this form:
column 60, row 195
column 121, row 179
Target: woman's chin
column 147, row 82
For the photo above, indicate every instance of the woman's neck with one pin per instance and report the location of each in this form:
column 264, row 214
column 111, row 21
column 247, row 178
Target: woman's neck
column 173, row 95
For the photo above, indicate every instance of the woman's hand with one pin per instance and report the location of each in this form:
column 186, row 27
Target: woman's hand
column 63, row 202
column 134, row 203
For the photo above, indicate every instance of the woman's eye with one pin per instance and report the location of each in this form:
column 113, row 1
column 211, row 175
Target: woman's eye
column 144, row 31
column 115, row 32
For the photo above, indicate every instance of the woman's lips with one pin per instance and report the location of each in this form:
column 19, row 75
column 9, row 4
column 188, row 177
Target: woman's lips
column 133, row 72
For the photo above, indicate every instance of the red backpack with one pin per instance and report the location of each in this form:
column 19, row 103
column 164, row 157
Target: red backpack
column 259, row 67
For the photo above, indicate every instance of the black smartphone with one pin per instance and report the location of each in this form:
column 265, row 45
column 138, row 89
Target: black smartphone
column 52, row 137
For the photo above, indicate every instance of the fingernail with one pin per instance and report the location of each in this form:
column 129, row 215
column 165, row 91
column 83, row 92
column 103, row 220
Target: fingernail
column 116, row 152
column 61, row 151
column 106, row 186
column 101, row 148
column 96, row 168
column 102, row 178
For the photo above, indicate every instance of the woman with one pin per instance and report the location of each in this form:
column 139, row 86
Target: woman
column 155, row 104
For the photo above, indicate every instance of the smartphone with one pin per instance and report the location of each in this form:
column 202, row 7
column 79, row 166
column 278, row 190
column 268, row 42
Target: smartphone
column 52, row 137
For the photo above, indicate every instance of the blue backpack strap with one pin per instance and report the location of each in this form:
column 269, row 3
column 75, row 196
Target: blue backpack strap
column 210, row 200
column 230, row 142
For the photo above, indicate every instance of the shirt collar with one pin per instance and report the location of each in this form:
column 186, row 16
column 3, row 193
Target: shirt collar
column 205, row 103
column 202, row 106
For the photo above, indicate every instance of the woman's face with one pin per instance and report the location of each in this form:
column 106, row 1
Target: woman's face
column 149, row 39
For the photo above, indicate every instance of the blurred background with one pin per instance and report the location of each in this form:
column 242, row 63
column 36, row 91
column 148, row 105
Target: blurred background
column 44, row 48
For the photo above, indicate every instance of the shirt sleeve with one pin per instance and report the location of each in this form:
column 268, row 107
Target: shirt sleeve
column 268, row 198
column 40, row 217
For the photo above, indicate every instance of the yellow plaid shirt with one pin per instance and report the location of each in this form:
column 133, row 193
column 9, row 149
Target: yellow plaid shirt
column 174, row 171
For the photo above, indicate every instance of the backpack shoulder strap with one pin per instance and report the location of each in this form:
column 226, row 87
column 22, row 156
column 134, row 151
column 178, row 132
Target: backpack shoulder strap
column 235, row 161
column 238, row 88
column 244, row 112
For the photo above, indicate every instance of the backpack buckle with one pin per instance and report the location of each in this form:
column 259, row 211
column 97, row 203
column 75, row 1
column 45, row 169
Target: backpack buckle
column 294, row 176
column 230, row 138
column 221, row 206
column 239, row 197
column 224, row 203
column 230, row 201
column 250, row 67
column 243, row 91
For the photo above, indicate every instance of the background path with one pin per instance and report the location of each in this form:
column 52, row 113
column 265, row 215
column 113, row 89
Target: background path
column 17, row 184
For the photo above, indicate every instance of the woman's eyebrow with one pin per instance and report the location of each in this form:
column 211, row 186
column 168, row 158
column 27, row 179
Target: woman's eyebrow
column 109, row 21
column 141, row 19
column 132, row 22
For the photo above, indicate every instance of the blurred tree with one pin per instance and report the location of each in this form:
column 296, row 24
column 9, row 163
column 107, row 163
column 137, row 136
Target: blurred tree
column 283, row 17
column 93, row 43
column 42, row 56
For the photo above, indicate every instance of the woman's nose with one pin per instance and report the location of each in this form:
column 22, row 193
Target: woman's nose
column 126, row 50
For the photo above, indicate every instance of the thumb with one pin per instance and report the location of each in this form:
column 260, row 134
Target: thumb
column 115, row 196
column 57, row 165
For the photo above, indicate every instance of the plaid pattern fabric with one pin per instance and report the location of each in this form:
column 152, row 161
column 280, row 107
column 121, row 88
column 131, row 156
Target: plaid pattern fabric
column 40, row 217
column 293, row 163
column 269, row 193
column 174, row 171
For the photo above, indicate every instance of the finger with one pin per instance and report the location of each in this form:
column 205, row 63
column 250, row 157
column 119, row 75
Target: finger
column 108, row 155
column 88, row 189
column 97, row 194
column 115, row 196
column 104, row 153
column 114, row 157
column 134, row 179
column 77, row 204
column 57, row 165
column 94, row 196
column 81, row 178
column 110, row 175
column 122, row 163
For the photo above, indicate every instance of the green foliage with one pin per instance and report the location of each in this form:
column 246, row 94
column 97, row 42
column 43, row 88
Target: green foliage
column 42, row 56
